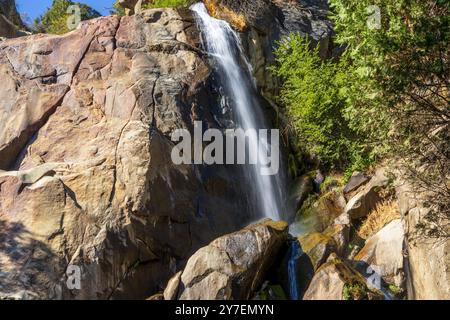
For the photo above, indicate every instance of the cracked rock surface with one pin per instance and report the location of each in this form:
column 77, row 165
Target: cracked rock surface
column 86, row 177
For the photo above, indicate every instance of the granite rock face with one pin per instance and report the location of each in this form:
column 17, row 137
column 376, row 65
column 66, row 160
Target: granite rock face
column 86, row 176
column 428, row 271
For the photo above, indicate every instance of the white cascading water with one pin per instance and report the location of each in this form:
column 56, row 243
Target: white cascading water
column 224, row 46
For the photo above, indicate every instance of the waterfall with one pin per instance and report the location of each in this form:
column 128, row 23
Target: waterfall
column 224, row 47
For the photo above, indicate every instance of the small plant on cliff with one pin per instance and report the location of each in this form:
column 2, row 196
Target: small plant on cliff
column 354, row 291
column 55, row 19
column 167, row 3
column 384, row 213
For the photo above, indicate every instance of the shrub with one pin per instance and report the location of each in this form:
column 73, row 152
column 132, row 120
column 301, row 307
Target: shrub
column 167, row 3
column 399, row 91
column 55, row 19
column 315, row 102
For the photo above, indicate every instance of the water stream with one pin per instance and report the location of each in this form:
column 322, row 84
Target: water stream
column 294, row 255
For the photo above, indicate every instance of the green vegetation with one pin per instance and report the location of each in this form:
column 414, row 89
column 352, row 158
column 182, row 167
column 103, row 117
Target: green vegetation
column 57, row 17
column 332, row 183
column 314, row 103
column 167, row 3
column 117, row 9
column 150, row 4
column 395, row 290
column 386, row 96
column 354, row 291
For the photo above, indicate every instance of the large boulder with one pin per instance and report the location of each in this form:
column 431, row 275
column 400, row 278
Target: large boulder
column 88, row 182
column 341, row 236
column 384, row 254
column 231, row 267
column 320, row 212
column 336, row 280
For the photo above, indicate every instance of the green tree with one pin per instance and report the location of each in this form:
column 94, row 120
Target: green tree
column 149, row 4
column 401, row 65
column 387, row 95
column 55, row 20
column 400, row 86
column 117, row 9
column 312, row 95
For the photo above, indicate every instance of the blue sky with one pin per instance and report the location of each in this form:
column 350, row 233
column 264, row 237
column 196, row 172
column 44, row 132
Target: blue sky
column 34, row 8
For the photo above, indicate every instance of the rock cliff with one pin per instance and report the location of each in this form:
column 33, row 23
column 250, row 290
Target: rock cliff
column 87, row 181
column 87, row 178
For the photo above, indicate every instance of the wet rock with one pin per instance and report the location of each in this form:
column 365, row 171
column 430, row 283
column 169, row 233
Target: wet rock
column 330, row 206
column 295, row 271
column 232, row 266
column 317, row 247
column 321, row 212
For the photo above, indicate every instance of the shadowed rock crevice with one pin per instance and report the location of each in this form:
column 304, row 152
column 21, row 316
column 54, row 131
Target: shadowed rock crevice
column 25, row 262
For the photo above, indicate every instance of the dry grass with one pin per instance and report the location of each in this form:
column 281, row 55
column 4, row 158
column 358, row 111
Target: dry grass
column 237, row 20
column 384, row 213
